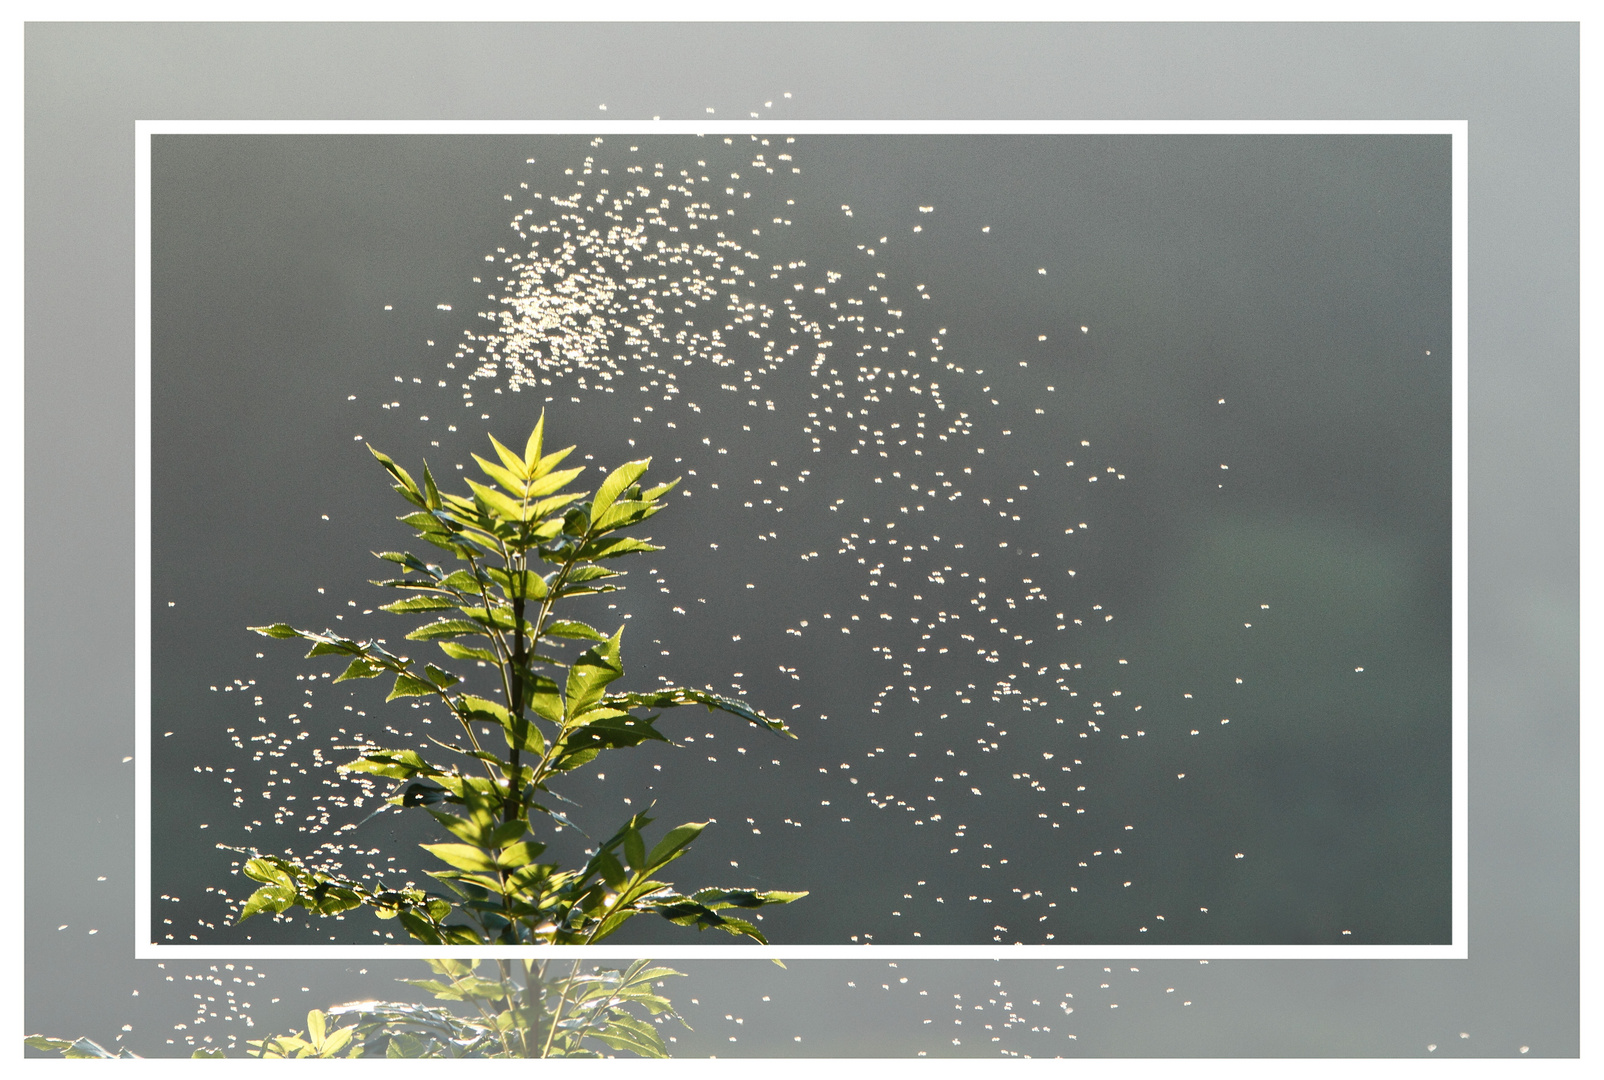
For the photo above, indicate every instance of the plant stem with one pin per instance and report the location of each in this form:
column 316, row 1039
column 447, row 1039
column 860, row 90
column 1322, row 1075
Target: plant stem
column 568, row 984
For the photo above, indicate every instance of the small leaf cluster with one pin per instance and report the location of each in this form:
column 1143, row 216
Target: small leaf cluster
column 80, row 1048
column 513, row 1017
column 517, row 1012
column 521, row 544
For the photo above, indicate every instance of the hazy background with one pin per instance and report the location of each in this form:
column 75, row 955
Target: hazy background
column 1277, row 304
column 1515, row 84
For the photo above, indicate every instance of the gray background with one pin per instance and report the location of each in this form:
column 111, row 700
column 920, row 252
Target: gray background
column 1302, row 281
column 1517, row 87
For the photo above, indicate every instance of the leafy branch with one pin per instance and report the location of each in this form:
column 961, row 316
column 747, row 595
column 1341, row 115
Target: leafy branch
column 522, row 543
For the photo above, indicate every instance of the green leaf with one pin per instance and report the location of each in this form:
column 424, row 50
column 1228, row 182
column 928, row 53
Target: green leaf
column 478, row 708
column 573, row 760
column 337, row 646
column 617, row 482
column 463, row 857
column 544, row 699
column 625, row 512
column 607, row 865
column 315, row 1027
column 441, row 990
column 464, row 828
column 360, row 668
column 462, row 581
column 717, row 899
column 396, row 764
column 418, row 603
column 660, row 490
column 580, row 574
column 419, row 928
column 446, row 628
column 590, row 673
column 686, row 912
column 514, row 483
column 466, row 652
column 671, row 696
column 537, row 436
column 269, row 871
column 496, row 503
column 553, row 481
column 336, row 1042
column 426, row 521
column 625, row 1032
column 442, row 680
column 331, row 899
column 409, row 686
column 634, row 849
column 568, row 628
column 277, row 898
column 405, row 484
column 278, row 630
column 529, row 739
column 77, row 1049
column 550, row 461
column 524, row 583
column 612, row 549
column 607, row 729
column 673, row 845
column 545, row 507
column 431, row 493
column 511, row 460
column 407, row 559
column 521, row 854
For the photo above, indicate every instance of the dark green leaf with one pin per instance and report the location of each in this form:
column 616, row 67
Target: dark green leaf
column 431, row 493
column 573, row 759
column 685, row 695
column 336, row 646
column 673, row 845
column 406, row 485
column 478, row 708
column 718, row 899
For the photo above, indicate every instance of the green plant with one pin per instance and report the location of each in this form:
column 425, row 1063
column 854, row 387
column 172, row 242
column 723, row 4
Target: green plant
column 512, row 1018
column 527, row 544
column 534, row 1018
column 501, row 615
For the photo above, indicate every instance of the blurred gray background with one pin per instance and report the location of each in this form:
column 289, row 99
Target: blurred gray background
column 1515, row 84
column 1280, row 304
